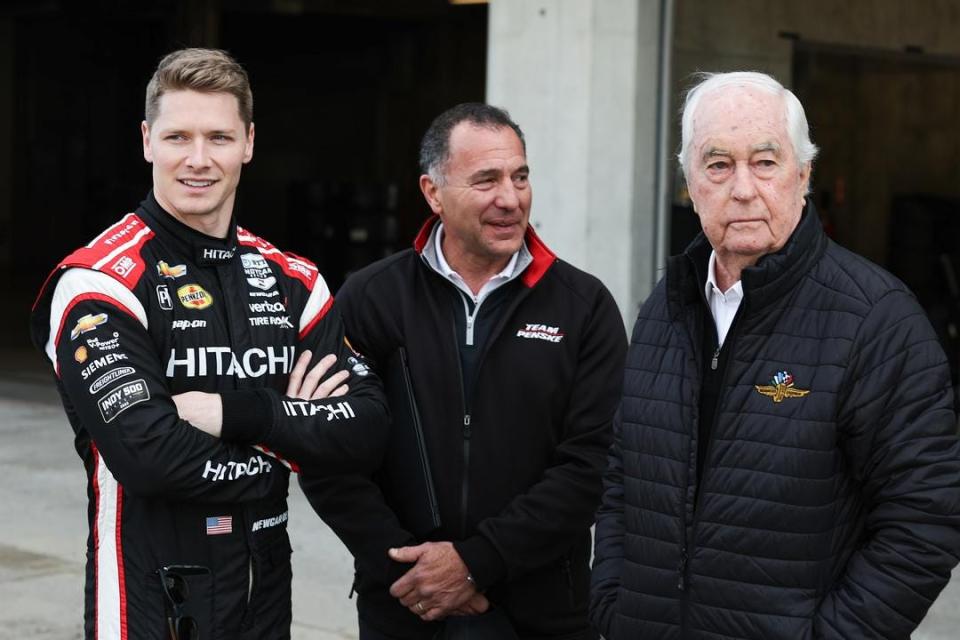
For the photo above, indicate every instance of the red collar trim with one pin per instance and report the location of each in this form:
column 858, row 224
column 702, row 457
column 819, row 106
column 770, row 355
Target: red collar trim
column 543, row 257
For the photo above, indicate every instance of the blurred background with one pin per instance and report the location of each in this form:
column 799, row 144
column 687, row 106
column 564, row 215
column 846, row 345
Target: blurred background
column 345, row 88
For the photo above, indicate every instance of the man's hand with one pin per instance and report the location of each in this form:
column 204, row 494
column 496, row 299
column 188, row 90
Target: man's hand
column 437, row 585
column 202, row 410
column 309, row 387
column 205, row 410
column 474, row 606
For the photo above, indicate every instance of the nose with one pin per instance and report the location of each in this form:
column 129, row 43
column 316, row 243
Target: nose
column 744, row 187
column 198, row 157
column 507, row 197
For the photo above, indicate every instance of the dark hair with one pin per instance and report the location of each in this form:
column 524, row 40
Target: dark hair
column 203, row 70
column 435, row 146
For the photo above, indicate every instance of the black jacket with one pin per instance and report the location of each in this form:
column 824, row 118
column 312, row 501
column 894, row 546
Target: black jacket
column 152, row 308
column 829, row 504
column 519, row 481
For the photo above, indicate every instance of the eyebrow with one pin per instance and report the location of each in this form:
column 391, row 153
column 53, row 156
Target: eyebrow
column 483, row 174
column 765, row 146
column 713, row 152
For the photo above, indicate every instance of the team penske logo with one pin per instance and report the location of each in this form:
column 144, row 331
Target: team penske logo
column 781, row 387
column 87, row 323
column 193, row 296
column 166, row 271
column 540, row 332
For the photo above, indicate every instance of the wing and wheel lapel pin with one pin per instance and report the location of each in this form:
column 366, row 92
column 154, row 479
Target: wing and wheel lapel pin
column 781, row 387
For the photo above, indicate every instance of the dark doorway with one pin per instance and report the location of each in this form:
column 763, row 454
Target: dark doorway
column 887, row 179
column 342, row 93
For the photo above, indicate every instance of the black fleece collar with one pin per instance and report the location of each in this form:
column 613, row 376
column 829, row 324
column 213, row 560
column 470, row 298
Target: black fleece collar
column 773, row 276
column 206, row 250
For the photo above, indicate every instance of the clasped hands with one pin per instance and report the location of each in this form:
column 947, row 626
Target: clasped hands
column 205, row 410
column 437, row 585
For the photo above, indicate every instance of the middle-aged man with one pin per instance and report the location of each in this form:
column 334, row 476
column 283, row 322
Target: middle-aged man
column 515, row 360
column 173, row 312
column 785, row 462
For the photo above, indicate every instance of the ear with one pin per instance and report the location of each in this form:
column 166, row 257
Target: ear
column 145, row 133
column 805, row 172
column 248, row 146
column 430, row 192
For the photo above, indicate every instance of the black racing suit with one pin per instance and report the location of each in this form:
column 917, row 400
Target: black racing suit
column 152, row 308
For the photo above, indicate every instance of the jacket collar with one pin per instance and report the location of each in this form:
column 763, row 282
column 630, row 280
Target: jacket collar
column 205, row 250
column 543, row 257
column 764, row 283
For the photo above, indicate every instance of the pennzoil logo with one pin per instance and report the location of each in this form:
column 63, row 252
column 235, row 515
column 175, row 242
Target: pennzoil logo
column 88, row 322
column 781, row 387
column 193, row 296
column 166, row 271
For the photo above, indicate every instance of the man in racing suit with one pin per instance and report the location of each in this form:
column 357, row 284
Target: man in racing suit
column 187, row 531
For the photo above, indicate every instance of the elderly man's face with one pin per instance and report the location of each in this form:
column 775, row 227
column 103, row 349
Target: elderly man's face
column 744, row 179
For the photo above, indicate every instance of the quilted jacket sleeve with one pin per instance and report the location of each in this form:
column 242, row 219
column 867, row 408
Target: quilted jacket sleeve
column 897, row 430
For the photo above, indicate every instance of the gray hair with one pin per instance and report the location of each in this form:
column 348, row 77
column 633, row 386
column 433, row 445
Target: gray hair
column 435, row 146
column 797, row 127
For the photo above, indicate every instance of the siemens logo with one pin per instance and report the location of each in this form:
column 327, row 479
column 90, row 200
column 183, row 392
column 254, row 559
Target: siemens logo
column 192, row 362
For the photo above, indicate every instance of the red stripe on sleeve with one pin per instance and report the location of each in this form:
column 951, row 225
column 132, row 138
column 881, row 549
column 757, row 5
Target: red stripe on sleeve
column 320, row 314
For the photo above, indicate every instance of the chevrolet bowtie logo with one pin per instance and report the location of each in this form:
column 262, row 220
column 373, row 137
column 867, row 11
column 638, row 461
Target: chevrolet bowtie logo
column 780, row 387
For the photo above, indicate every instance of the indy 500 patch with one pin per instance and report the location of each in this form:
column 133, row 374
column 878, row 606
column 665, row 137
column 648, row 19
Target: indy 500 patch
column 122, row 398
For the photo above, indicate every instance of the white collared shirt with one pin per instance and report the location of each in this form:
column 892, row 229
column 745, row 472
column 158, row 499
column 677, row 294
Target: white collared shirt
column 517, row 263
column 723, row 304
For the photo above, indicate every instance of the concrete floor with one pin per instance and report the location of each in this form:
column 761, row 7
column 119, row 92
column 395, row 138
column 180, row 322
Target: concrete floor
column 43, row 530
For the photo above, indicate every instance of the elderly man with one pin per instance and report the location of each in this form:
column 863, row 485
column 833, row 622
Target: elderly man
column 785, row 462
column 514, row 359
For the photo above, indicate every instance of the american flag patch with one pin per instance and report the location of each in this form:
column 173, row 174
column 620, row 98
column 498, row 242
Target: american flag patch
column 219, row 525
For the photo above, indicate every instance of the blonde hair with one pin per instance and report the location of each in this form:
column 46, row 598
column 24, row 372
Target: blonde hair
column 203, row 70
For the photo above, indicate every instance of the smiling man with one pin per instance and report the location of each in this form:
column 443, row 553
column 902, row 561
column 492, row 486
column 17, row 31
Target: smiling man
column 173, row 320
column 513, row 360
column 785, row 458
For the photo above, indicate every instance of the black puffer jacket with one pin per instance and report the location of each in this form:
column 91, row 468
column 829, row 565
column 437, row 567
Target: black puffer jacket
column 828, row 514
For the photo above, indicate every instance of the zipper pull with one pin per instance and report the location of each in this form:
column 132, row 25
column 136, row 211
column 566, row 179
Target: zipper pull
column 466, row 425
column 713, row 362
column 682, row 569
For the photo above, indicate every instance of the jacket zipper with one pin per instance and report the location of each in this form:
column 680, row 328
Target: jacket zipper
column 731, row 342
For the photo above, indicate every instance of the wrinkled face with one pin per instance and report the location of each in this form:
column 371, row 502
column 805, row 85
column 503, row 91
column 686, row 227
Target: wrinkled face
column 484, row 202
column 743, row 175
column 197, row 144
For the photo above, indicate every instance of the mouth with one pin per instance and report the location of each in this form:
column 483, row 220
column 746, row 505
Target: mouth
column 193, row 183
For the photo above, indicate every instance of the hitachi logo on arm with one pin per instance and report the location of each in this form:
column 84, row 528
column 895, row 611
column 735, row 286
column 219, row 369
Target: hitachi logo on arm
column 195, row 362
column 305, row 408
column 234, row 470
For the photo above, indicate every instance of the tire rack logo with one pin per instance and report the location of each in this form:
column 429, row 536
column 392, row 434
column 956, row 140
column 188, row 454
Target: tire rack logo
column 193, row 296
column 166, row 271
column 122, row 398
column 87, row 323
